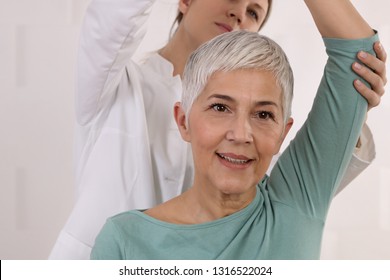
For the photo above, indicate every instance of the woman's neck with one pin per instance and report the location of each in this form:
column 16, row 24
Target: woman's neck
column 212, row 205
column 196, row 206
column 177, row 51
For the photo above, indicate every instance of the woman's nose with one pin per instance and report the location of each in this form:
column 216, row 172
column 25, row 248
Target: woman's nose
column 240, row 131
column 238, row 13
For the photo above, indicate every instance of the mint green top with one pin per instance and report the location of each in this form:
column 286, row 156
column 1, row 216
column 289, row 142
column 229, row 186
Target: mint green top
column 286, row 219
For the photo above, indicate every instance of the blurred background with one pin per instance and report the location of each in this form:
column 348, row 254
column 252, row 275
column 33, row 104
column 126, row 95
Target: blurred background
column 38, row 47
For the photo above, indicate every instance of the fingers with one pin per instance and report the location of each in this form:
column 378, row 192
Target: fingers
column 372, row 69
column 378, row 63
column 380, row 51
column 382, row 56
column 370, row 95
column 373, row 78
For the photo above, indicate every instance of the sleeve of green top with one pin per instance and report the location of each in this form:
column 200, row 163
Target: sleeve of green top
column 311, row 167
column 108, row 244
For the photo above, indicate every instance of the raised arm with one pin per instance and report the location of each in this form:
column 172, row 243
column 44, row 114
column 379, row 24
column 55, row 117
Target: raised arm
column 314, row 163
column 111, row 32
column 338, row 19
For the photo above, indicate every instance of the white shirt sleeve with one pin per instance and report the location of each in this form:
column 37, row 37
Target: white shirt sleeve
column 110, row 35
column 361, row 158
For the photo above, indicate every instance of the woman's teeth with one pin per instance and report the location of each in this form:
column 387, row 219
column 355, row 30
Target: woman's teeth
column 232, row 160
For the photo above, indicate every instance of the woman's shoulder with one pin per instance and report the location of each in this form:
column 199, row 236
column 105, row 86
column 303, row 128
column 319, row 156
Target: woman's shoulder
column 153, row 62
column 125, row 219
column 167, row 212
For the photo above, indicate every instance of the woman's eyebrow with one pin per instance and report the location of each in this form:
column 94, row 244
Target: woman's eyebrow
column 266, row 103
column 258, row 7
column 221, row 96
column 231, row 99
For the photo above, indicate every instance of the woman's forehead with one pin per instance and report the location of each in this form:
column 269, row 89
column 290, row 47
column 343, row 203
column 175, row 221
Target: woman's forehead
column 243, row 84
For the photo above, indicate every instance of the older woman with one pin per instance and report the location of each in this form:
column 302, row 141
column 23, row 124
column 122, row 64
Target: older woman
column 235, row 113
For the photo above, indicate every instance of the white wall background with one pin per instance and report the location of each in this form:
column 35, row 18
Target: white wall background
column 38, row 44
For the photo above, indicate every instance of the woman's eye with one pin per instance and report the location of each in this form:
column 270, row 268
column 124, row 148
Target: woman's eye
column 265, row 115
column 253, row 14
column 219, row 108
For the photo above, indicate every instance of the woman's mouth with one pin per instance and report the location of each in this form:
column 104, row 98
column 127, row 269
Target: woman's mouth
column 234, row 159
column 224, row 27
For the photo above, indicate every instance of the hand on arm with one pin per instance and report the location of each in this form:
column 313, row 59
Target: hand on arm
column 373, row 72
column 339, row 19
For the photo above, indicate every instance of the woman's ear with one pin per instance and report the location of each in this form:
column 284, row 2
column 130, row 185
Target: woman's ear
column 181, row 121
column 184, row 5
column 287, row 128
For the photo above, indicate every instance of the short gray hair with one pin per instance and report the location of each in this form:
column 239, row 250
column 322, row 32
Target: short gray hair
column 234, row 51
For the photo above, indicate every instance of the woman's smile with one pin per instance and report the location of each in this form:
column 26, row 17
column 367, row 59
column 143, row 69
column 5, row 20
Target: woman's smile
column 234, row 161
column 224, row 27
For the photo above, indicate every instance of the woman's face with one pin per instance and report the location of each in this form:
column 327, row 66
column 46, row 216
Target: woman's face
column 205, row 19
column 235, row 128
